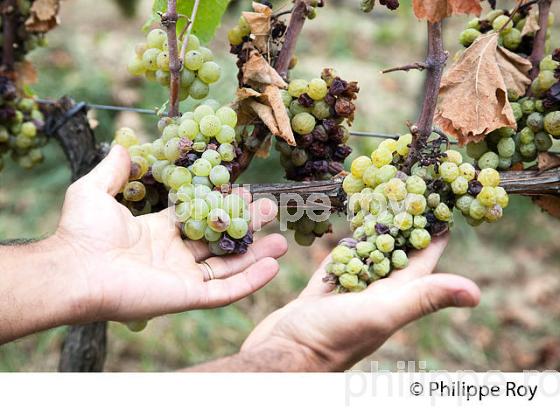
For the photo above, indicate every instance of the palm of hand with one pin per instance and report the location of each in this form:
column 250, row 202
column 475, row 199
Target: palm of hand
column 336, row 330
column 139, row 267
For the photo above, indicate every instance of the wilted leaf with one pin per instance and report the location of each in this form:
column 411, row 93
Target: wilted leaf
column 473, row 93
column 549, row 203
column 437, row 10
column 208, row 16
column 43, row 16
column 274, row 99
column 257, row 69
column 531, row 23
column 548, row 161
column 264, row 148
column 264, row 112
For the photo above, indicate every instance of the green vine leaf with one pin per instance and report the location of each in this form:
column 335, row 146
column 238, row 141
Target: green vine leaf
column 208, row 16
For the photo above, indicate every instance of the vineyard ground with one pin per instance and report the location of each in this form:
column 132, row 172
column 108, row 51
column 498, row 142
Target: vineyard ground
column 515, row 262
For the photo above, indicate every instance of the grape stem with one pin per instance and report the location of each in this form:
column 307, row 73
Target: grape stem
column 421, row 66
column 190, row 25
column 169, row 21
column 540, row 38
column 8, row 12
column 435, row 62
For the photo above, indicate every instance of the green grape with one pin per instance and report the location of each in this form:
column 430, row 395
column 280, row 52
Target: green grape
column 163, row 61
column 467, row 171
column 126, row 137
column 149, row 58
column 136, row 325
column 475, row 150
column 342, row 254
column 403, row 221
column 193, row 60
column 202, row 111
column 234, row 205
column 381, row 157
column 187, row 77
column 552, row 123
column 296, row 108
column 453, row 156
column 543, row 142
column 227, row 152
column 442, row 212
column 156, row 38
column 162, row 77
column 506, row 147
column 385, row 173
column 201, row 167
column 460, row 185
column 395, row 190
column 468, row 36
column 297, row 87
column 317, row 89
column 420, row 238
column 188, row 129
column 399, row 259
column 183, row 211
column 211, row 235
column 512, row 39
column 210, row 72
column 526, row 136
column 212, row 156
column 489, row 177
column 369, row 176
column 193, row 42
column 385, row 243
column 415, row 185
column 136, row 66
column 403, row 144
column 214, row 199
column 201, row 191
column 354, row 266
column 200, row 208
column 227, row 116
column 304, row 239
column 179, row 176
column 206, row 53
column 359, row 165
column 489, row 160
column 348, row 281
column 449, row 171
column 502, row 197
column 157, row 169
column 171, row 150
column 336, row 268
column 166, row 172
column 219, row 175
column 194, row 229
column 198, row 89
column 138, row 167
column 535, row 121
column 415, row 204
column 528, row 151
column 218, row 220
column 382, row 268
column 321, row 110
column 226, row 135
column 169, row 132
column 351, row 184
column 503, row 24
column 363, row 249
column 210, row 125
column 303, row 123
column 134, row 191
column 517, row 111
column 238, row 228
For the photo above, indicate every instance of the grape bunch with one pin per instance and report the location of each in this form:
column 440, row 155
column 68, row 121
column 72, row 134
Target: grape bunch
column 394, row 212
column 190, row 165
column 510, row 29
column 538, row 123
column 318, row 110
column 25, row 40
column 21, row 126
column 198, row 70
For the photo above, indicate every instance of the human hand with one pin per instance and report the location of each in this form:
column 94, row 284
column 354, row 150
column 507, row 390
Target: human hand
column 323, row 331
column 129, row 268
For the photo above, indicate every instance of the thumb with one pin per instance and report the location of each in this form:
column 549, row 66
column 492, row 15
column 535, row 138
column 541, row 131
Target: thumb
column 429, row 294
column 112, row 173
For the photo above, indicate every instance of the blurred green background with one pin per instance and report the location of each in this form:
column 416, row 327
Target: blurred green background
column 516, row 262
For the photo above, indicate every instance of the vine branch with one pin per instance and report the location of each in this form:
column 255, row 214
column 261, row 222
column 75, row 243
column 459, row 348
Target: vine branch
column 293, row 31
column 435, row 62
column 169, row 21
column 421, row 66
column 540, row 38
column 8, row 32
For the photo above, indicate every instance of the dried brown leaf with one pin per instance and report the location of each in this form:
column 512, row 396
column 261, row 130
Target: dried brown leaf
column 264, row 112
column 259, row 21
column 549, row 203
column 548, row 161
column 44, row 15
column 531, row 23
column 257, row 70
column 473, row 93
column 436, row 10
column 274, row 99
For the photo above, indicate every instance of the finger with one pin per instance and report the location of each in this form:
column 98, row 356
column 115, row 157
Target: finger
column 427, row 295
column 112, row 173
column 220, row 292
column 316, row 285
column 262, row 212
column 271, row 246
column 423, row 262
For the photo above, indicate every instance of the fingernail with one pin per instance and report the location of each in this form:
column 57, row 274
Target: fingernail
column 462, row 298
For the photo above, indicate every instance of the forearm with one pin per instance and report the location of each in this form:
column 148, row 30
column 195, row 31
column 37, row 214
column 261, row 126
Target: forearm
column 37, row 291
column 272, row 358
